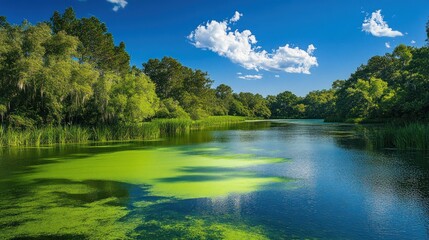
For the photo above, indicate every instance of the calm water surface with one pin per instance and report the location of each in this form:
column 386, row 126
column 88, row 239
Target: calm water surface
column 283, row 179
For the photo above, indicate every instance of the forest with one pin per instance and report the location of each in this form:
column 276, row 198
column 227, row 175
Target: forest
column 68, row 71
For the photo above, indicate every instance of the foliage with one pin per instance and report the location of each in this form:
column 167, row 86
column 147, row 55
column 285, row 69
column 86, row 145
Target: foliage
column 170, row 108
column 319, row 104
column 60, row 74
column 251, row 105
column 180, row 87
column 392, row 86
column 224, row 94
column 191, row 89
column 134, row 99
column 96, row 44
column 427, row 31
column 284, row 105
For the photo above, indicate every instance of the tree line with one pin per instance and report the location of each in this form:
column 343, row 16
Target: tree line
column 69, row 71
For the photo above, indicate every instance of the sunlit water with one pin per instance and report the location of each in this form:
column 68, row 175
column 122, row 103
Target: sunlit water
column 284, row 179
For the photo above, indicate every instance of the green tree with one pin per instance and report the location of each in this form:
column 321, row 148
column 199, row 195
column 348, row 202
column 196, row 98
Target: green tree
column 134, row 99
column 191, row 88
column 170, row 108
column 168, row 76
column 403, row 53
column 364, row 98
column 37, row 72
column 224, row 95
column 96, row 43
column 285, row 105
column 100, row 106
column 427, row 32
column 255, row 104
column 238, row 109
column 64, row 22
column 320, row 104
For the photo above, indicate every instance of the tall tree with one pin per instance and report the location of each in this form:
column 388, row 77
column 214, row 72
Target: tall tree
column 134, row 99
column 255, row 104
column 97, row 45
column 64, row 22
column 168, row 75
column 286, row 105
column 427, row 32
column 224, row 94
column 320, row 104
column 191, row 88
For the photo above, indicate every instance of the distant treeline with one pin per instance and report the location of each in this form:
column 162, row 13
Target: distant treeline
column 68, row 71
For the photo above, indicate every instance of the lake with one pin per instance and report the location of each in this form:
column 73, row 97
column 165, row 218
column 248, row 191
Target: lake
column 278, row 179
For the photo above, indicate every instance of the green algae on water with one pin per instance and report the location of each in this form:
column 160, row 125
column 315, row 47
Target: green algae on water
column 116, row 195
column 166, row 171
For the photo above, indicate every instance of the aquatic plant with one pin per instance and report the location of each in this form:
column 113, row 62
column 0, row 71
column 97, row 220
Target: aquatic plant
column 408, row 136
column 157, row 128
column 173, row 127
column 216, row 121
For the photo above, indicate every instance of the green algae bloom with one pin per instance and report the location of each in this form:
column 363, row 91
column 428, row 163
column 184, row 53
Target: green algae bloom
column 117, row 194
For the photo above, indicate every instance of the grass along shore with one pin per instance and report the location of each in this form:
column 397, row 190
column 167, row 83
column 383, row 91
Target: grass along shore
column 400, row 136
column 155, row 129
column 407, row 136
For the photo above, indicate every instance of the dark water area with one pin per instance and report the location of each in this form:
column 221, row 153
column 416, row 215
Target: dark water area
column 280, row 179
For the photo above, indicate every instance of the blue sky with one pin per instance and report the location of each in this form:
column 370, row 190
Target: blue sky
column 283, row 29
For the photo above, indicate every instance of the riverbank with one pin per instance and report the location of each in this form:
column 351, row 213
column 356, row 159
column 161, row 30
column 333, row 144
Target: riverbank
column 396, row 133
column 402, row 136
column 155, row 129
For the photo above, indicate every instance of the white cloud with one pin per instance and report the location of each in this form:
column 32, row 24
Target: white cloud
column 277, row 76
column 387, row 44
column 236, row 17
column 239, row 73
column 251, row 77
column 118, row 4
column 378, row 27
column 413, row 42
column 240, row 48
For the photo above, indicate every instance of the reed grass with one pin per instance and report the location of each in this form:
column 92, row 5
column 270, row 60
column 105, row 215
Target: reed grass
column 157, row 128
column 173, row 127
column 43, row 136
column 216, row 121
column 125, row 132
column 408, row 136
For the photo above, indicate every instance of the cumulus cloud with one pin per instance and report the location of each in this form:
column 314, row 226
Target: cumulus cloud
column 277, row 76
column 378, row 27
column 413, row 42
column 118, row 4
column 241, row 48
column 387, row 44
column 250, row 77
column 236, row 17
